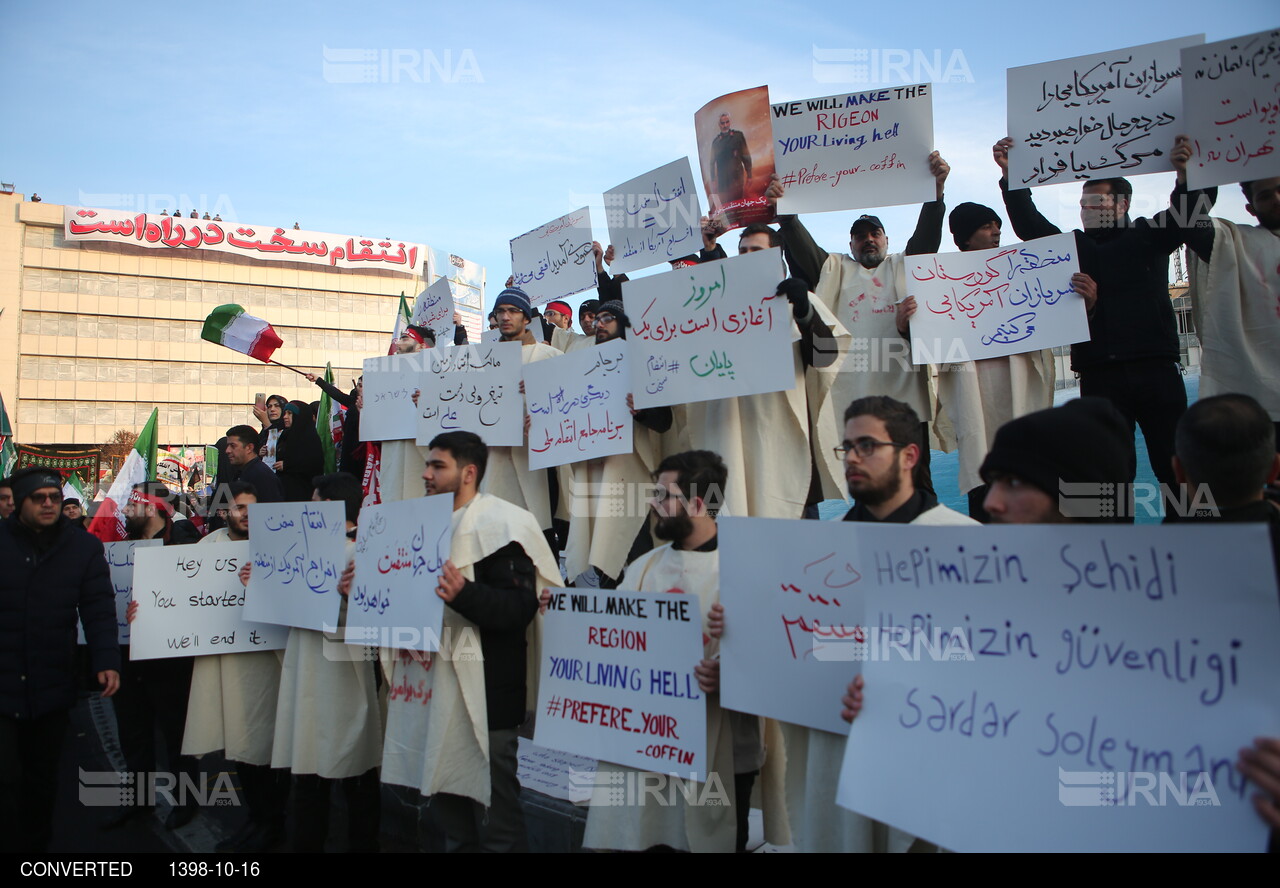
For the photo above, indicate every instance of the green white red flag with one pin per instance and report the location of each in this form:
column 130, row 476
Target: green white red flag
column 229, row 325
column 139, row 466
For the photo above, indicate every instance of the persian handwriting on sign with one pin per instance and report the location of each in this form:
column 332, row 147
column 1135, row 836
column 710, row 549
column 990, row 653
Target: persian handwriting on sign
column 173, row 231
column 716, row 361
column 653, row 218
column 1078, row 118
column 576, row 406
column 297, row 561
column 989, row 303
column 693, row 326
column 1090, row 87
column 473, row 388
column 555, row 259
column 580, row 436
column 1232, row 108
column 400, row 550
column 297, row 549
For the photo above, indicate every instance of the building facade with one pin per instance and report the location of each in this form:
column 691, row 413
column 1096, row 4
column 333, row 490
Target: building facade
column 93, row 335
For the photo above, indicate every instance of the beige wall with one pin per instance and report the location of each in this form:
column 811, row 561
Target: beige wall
column 93, row 335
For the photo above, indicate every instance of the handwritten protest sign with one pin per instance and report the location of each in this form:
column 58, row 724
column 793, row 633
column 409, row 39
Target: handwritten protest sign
column 1231, row 93
column 990, row 303
column 1074, row 688
column 389, row 383
column 554, row 260
column 710, row 331
column 617, row 680
column 400, row 550
column 654, row 218
column 299, row 552
column 120, row 562
column 434, row 309
column 855, row 150
column 792, row 601
column 491, row 336
column 578, row 405
column 475, row 388
column 560, row 775
column 191, row 603
column 262, row 243
column 1096, row 116
column 735, row 151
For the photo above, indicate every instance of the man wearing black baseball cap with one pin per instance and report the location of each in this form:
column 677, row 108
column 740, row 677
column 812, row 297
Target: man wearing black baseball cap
column 866, row 291
column 52, row 570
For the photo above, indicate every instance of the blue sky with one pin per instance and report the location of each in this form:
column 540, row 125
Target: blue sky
column 230, row 106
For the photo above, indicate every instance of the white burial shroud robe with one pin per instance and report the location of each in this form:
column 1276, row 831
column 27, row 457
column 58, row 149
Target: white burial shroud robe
column 980, row 396
column 437, row 737
column 1236, row 301
column 874, row 360
column 329, row 718
column 763, row 440
column 508, row 475
column 232, row 706
column 645, row 821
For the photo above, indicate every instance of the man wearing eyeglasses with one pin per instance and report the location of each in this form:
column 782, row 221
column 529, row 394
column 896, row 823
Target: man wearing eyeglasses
column 881, row 447
column 52, row 570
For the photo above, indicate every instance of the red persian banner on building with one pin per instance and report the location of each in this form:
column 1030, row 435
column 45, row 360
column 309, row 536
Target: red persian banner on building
column 263, row 243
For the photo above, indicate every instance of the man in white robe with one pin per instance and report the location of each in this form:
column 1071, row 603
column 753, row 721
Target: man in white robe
column 980, row 396
column 328, row 723
column 1235, row 295
column 690, row 564
column 508, row 476
column 770, row 429
column 453, row 716
column 866, row 291
column 232, row 709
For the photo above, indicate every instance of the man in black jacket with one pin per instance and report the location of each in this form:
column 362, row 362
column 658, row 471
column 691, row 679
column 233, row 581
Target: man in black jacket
column 1132, row 355
column 242, row 451
column 51, row 571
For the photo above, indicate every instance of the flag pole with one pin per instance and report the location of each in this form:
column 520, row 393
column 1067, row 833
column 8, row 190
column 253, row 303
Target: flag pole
column 286, row 366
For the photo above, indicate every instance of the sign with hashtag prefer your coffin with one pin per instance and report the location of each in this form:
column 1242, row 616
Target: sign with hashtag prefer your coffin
column 617, row 680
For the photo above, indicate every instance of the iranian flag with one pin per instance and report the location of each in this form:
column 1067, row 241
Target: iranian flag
column 403, row 316
column 329, row 424
column 139, row 466
column 229, row 325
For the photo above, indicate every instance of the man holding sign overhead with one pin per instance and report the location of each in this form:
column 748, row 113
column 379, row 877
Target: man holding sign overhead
column 1131, row 358
column 866, row 290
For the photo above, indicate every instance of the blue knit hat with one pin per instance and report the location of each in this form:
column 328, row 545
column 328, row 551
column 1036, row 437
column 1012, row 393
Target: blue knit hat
column 516, row 298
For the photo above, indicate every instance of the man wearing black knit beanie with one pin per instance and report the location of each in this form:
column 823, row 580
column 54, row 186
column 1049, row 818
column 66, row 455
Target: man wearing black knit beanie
column 1040, row 461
